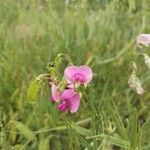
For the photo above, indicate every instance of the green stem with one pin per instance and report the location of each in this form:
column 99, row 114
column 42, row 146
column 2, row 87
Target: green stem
column 59, row 128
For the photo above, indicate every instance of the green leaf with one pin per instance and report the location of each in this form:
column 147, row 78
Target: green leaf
column 44, row 143
column 114, row 140
column 115, row 116
column 28, row 134
column 58, row 61
column 132, row 5
column 81, row 130
column 133, row 130
column 118, row 141
column 146, row 124
column 33, row 91
column 85, row 143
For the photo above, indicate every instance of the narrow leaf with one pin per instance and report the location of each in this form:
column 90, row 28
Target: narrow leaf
column 24, row 130
column 81, row 130
column 44, row 143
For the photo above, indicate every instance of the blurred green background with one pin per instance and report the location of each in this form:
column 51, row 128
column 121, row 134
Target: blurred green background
column 101, row 33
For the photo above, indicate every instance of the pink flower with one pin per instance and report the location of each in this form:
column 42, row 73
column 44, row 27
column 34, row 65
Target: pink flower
column 70, row 100
column 143, row 39
column 56, row 93
column 78, row 74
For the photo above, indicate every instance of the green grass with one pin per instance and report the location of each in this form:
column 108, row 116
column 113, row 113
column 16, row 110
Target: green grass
column 100, row 33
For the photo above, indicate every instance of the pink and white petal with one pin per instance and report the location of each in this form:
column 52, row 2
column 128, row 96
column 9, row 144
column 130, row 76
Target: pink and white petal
column 70, row 72
column 143, row 39
column 67, row 94
column 70, row 86
column 86, row 72
column 52, row 99
column 74, row 103
column 56, row 94
column 64, row 106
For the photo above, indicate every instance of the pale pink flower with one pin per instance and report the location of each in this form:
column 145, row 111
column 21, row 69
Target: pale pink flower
column 56, row 93
column 143, row 39
column 78, row 74
column 70, row 100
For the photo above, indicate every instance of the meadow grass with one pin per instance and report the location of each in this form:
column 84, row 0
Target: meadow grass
column 100, row 33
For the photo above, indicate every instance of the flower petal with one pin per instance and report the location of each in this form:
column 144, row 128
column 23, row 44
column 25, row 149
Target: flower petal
column 64, row 106
column 56, row 94
column 67, row 94
column 143, row 39
column 70, row 86
column 70, row 72
column 86, row 72
column 73, row 99
column 74, row 103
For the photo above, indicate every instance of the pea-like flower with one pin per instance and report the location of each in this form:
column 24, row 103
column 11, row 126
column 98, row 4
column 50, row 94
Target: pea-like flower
column 78, row 75
column 67, row 99
column 70, row 100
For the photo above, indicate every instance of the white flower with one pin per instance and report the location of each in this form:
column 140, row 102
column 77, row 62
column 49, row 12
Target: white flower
column 143, row 39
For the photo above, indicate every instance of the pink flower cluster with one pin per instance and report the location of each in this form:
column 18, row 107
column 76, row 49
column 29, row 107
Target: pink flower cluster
column 69, row 99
